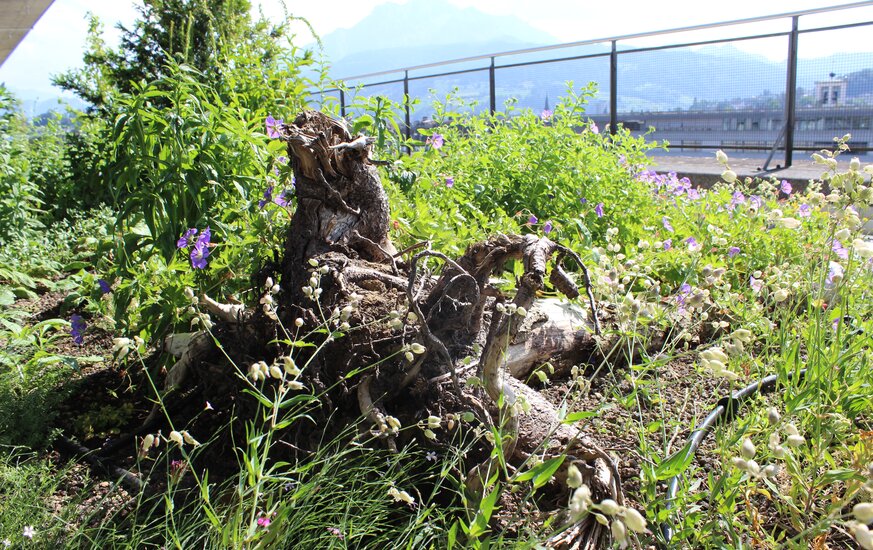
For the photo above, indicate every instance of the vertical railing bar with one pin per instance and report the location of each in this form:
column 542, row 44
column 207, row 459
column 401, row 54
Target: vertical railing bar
column 492, row 92
column 613, row 89
column 342, row 103
column 408, row 117
column 790, row 92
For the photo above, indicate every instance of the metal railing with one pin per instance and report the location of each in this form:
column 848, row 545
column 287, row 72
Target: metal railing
column 740, row 124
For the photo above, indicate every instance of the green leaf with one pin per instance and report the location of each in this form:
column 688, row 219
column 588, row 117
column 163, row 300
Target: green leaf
column 7, row 297
column 579, row 415
column 542, row 473
column 677, row 463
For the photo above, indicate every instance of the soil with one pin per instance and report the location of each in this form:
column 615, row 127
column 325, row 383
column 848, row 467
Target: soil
column 105, row 401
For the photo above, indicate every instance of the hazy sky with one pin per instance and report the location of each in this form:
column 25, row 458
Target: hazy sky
column 57, row 41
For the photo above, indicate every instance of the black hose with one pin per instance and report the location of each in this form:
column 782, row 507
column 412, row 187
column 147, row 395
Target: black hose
column 127, row 479
column 725, row 410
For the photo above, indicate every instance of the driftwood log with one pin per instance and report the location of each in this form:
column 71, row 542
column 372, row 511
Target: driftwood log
column 340, row 266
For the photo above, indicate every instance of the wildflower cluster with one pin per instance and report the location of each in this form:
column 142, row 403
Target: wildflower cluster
column 284, row 369
column 313, row 290
column 620, row 519
column 199, row 246
column 179, row 437
column 268, row 304
column 199, row 317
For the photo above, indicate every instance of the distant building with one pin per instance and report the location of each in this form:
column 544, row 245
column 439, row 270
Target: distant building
column 831, row 92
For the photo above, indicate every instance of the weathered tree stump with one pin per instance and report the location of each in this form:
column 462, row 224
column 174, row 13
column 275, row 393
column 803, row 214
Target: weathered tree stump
column 340, row 264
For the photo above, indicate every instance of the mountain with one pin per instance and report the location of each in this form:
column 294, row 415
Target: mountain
column 424, row 31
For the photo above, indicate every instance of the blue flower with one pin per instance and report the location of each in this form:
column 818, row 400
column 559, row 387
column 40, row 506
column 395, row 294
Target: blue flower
column 185, row 240
column 599, row 209
column 201, row 251
column 273, row 126
column 105, row 288
column 77, row 329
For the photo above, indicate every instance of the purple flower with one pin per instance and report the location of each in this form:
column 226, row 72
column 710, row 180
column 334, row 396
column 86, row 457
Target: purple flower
column 594, row 127
column 264, row 521
column 668, row 244
column 282, row 159
column 599, row 209
column 804, row 211
column 201, row 251
column 273, row 126
column 268, row 196
column 105, row 288
column 692, row 243
column 436, row 141
column 756, row 284
column 77, row 328
column 684, row 291
column 834, row 270
column 693, row 194
column 666, row 222
column 336, row 532
column 582, row 200
column 840, row 250
column 756, row 202
column 450, row 181
column 785, row 186
column 284, row 197
column 532, row 220
column 198, row 257
column 185, row 240
column 546, row 115
column 737, row 198
column 733, row 251
column 547, row 228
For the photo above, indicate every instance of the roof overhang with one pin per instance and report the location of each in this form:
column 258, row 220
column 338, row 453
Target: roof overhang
column 17, row 18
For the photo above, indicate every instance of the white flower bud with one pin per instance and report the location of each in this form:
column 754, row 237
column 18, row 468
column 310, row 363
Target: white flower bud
column 189, row 439
column 295, row 385
column 147, row 443
column 795, row 440
column 780, row 295
column 863, row 512
column 619, row 531
column 609, row 507
column 721, row 156
column 574, row 477
column 634, row 520
column 275, row 372
column 729, row 176
column 176, row 438
column 433, row 422
column 748, row 449
column 417, row 348
column 863, row 248
column 298, row 322
column 773, row 418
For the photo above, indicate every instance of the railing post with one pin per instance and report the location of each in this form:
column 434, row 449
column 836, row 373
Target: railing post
column 342, row 103
column 791, row 92
column 613, row 89
column 408, row 114
column 492, row 92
